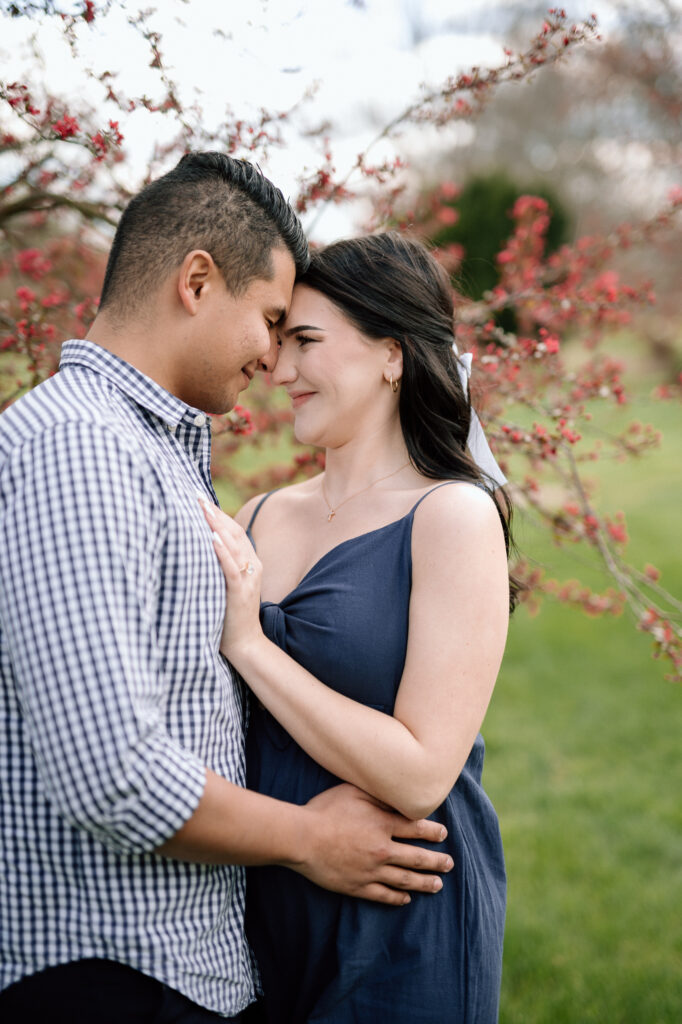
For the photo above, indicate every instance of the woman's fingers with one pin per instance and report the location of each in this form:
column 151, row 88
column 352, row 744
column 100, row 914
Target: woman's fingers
column 234, row 549
column 226, row 557
column 220, row 521
column 242, row 570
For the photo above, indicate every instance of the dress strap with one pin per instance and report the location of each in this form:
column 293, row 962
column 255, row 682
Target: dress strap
column 256, row 511
column 446, row 483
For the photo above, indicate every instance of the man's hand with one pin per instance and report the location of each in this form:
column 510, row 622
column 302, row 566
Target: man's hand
column 343, row 840
column 352, row 848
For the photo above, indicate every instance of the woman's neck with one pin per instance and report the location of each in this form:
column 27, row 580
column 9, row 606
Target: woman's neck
column 362, row 461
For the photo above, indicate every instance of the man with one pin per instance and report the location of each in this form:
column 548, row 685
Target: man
column 124, row 812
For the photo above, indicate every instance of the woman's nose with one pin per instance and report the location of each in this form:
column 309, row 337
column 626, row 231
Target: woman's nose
column 284, row 371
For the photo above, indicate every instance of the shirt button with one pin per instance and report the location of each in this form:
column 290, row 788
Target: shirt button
column 199, row 420
column 171, row 427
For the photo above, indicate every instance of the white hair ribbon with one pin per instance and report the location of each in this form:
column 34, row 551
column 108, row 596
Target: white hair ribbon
column 477, row 442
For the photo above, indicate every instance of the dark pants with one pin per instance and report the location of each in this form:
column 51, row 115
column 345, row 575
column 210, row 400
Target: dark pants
column 99, row 992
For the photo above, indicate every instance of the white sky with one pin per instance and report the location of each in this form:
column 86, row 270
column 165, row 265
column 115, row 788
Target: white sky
column 271, row 51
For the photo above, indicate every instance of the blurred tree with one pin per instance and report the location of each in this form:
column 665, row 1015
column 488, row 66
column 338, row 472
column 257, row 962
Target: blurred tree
column 481, row 215
column 63, row 181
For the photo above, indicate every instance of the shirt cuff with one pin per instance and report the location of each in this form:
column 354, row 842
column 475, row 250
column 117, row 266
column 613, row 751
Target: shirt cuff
column 162, row 793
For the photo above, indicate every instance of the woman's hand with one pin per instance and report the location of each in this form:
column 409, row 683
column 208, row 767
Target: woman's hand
column 242, row 570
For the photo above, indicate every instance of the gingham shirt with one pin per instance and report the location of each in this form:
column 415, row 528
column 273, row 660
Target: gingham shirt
column 113, row 693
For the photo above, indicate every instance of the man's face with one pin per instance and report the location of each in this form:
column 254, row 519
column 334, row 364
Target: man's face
column 231, row 334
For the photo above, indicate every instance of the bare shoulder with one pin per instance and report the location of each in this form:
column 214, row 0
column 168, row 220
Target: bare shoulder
column 279, row 501
column 243, row 516
column 460, row 513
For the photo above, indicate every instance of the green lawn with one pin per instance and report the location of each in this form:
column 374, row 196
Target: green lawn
column 584, row 768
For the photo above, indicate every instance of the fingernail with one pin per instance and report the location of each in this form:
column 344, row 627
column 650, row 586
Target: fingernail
column 443, row 834
column 406, row 899
column 217, row 538
column 437, row 884
column 207, row 508
column 449, row 863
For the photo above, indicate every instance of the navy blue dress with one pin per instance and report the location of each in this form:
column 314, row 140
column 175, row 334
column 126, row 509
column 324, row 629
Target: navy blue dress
column 330, row 958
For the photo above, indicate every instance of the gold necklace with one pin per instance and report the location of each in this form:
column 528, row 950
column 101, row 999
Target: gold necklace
column 333, row 511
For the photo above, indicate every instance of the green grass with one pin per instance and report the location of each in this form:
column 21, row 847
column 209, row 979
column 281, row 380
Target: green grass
column 584, row 768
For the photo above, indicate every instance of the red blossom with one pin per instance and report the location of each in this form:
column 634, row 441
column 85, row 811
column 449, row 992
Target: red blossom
column 532, row 372
column 26, row 297
column 54, row 299
column 447, row 215
column 449, row 190
column 66, row 127
column 240, row 421
column 33, row 263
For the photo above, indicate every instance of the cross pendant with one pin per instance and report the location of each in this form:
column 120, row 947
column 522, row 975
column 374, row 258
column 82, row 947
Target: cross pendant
column 331, row 516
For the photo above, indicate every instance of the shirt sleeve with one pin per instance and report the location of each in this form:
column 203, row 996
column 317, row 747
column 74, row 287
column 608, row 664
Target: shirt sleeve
column 82, row 531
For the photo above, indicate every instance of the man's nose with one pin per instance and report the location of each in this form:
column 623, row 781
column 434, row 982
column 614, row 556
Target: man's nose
column 268, row 362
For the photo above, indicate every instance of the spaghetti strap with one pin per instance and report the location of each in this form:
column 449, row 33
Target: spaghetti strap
column 445, row 483
column 430, row 492
column 255, row 513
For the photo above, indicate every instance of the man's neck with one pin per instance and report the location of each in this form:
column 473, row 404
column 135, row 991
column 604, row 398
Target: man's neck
column 139, row 344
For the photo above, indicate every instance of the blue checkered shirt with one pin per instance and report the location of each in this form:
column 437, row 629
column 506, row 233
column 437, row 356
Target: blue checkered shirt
column 113, row 693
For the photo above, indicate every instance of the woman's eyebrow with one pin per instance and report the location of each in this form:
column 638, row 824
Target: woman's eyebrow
column 301, row 327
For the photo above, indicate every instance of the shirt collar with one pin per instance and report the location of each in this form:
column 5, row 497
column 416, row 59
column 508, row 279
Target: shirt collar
column 131, row 381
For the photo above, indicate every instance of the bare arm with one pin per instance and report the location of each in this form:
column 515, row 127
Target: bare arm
column 458, row 623
column 342, row 840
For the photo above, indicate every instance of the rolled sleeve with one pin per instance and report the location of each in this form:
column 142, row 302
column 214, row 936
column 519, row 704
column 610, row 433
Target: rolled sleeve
column 83, row 524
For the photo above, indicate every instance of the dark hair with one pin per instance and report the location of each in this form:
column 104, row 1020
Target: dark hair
column 208, row 201
column 389, row 286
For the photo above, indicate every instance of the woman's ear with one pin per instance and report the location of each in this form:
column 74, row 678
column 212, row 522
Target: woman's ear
column 393, row 367
column 196, row 272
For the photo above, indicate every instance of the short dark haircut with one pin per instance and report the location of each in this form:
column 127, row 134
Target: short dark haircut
column 390, row 286
column 208, row 201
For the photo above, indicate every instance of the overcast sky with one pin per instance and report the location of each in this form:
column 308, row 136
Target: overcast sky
column 366, row 59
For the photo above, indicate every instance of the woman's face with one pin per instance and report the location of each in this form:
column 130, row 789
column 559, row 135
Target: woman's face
column 334, row 375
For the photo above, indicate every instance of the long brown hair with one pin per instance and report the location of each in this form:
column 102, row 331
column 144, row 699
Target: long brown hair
column 389, row 286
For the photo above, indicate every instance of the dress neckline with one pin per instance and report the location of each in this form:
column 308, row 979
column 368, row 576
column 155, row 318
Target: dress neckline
column 342, row 543
column 331, row 551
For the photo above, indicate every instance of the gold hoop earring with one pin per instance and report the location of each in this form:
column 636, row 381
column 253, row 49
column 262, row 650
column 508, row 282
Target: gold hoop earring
column 394, row 384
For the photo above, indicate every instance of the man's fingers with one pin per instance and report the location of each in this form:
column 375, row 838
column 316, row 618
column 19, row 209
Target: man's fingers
column 383, row 894
column 415, row 881
column 429, row 831
column 415, row 858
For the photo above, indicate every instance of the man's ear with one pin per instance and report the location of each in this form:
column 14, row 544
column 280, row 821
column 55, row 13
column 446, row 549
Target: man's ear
column 194, row 278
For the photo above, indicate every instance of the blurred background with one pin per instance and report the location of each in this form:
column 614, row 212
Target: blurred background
column 583, row 734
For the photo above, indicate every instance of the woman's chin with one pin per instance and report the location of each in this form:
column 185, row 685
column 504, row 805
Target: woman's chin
column 306, row 435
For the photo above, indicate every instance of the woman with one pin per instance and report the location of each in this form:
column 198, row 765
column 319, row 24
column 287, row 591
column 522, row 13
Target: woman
column 385, row 601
